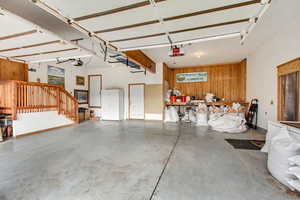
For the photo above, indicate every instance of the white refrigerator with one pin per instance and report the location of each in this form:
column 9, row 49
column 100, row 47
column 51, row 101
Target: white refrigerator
column 112, row 104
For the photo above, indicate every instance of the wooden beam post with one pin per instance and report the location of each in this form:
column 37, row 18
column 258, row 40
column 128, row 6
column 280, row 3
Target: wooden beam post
column 14, row 100
column 142, row 59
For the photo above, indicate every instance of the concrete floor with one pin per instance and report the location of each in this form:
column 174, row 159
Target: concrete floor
column 125, row 160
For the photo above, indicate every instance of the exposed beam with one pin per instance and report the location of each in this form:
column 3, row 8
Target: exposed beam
column 210, row 26
column 127, row 27
column 18, row 35
column 139, row 37
column 142, row 59
column 31, row 46
column 201, row 12
column 116, row 10
column 44, row 53
column 183, row 30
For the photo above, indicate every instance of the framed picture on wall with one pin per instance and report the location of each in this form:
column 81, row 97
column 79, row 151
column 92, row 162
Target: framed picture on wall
column 56, row 76
column 82, row 96
column 80, row 80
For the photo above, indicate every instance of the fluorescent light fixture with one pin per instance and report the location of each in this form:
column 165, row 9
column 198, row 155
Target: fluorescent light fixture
column 62, row 58
column 199, row 54
column 204, row 39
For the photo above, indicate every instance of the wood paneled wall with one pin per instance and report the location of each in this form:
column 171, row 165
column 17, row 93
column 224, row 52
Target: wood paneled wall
column 226, row 81
column 10, row 70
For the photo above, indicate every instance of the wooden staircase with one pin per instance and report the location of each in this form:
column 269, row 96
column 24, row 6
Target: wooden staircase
column 26, row 97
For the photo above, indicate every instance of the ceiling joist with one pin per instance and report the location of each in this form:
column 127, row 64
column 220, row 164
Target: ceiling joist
column 116, row 10
column 201, row 12
column 32, row 46
column 44, row 53
column 183, row 30
column 18, row 35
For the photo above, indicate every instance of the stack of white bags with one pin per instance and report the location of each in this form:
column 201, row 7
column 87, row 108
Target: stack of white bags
column 171, row 114
column 228, row 122
column 283, row 148
column 202, row 115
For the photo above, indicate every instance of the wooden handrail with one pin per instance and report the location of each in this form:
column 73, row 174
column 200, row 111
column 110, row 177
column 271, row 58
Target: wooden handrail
column 22, row 97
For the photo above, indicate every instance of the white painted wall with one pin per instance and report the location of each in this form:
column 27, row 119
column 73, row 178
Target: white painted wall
column 279, row 48
column 119, row 76
column 32, row 122
column 70, row 75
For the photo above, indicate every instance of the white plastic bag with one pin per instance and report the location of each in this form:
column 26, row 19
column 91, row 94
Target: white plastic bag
column 228, row 123
column 273, row 130
column 295, row 160
column 171, row 114
column 202, row 119
column 295, row 171
column 280, row 149
column 192, row 116
column 294, row 183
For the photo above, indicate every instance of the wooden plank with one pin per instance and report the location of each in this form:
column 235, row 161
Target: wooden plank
column 31, row 46
column 18, row 35
column 127, row 26
column 45, row 53
column 225, row 81
column 116, row 10
column 182, row 30
column 201, row 12
column 10, row 70
column 142, row 59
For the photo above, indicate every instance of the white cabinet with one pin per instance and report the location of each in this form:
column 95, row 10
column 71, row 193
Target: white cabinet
column 112, row 104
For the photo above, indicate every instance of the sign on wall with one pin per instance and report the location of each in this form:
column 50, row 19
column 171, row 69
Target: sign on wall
column 191, row 77
column 56, row 75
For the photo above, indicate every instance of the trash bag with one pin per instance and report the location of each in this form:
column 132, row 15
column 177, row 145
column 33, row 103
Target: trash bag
column 280, row 149
column 192, row 116
column 171, row 114
column 202, row 119
column 273, row 130
column 295, row 160
column 295, row 184
column 228, row 123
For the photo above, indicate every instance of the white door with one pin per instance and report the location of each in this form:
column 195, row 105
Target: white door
column 110, row 105
column 136, row 101
column 95, row 86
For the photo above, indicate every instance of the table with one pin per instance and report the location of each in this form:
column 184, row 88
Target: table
column 219, row 103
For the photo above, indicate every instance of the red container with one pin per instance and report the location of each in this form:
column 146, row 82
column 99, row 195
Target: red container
column 173, row 98
column 183, row 99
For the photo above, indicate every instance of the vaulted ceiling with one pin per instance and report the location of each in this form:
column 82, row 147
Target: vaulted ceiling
column 152, row 26
column 137, row 24
column 23, row 41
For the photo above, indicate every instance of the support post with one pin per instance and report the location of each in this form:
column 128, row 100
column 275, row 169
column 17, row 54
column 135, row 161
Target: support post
column 14, row 101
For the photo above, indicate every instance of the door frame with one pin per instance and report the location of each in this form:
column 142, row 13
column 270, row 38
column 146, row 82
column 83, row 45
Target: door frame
column 284, row 69
column 89, row 77
column 129, row 100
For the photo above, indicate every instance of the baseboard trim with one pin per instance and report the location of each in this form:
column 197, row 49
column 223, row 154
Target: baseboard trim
column 44, row 130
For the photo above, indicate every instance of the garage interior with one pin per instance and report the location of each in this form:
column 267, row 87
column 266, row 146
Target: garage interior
column 149, row 99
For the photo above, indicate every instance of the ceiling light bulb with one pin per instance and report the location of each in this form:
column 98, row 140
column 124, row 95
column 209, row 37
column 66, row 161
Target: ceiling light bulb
column 199, row 54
